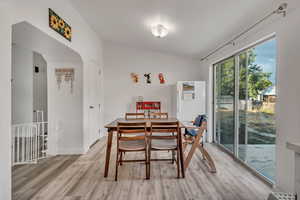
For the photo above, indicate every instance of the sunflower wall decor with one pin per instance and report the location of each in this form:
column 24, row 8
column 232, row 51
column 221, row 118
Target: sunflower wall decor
column 59, row 25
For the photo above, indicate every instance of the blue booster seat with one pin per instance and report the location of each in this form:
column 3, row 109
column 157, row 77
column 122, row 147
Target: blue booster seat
column 198, row 122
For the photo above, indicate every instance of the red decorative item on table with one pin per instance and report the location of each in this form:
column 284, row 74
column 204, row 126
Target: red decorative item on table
column 148, row 106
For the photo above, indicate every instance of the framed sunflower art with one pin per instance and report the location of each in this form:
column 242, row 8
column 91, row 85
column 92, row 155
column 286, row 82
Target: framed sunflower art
column 59, row 25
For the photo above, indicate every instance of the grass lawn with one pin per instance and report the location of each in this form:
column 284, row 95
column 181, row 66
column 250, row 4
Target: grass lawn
column 259, row 125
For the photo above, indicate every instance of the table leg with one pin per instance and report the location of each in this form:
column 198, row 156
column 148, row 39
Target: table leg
column 181, row 154
column 108, row 150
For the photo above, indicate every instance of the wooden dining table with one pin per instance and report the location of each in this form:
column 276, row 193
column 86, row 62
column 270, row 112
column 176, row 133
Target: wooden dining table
column 112, row 128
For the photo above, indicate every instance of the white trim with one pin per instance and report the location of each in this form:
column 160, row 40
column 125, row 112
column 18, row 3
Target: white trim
column 210, row 105
column 236, row 104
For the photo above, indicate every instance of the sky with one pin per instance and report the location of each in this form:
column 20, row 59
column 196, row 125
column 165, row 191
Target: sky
column 266, row 57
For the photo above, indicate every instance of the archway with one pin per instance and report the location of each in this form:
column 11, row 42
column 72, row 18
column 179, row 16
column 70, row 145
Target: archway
column 64, row 90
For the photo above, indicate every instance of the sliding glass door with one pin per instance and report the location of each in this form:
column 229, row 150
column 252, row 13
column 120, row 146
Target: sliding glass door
column 245, row 98
column 225, row 111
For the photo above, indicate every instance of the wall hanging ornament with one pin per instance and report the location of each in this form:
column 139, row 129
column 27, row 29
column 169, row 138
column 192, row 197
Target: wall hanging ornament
column 66, row 74
column 134, row 77
column 148, row 78
column 60, row 25
column 161, row 78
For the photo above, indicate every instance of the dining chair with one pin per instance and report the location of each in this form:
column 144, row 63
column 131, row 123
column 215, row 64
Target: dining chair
column 162, row 115
column 159, row 115
column 194, row 136
column 129, row 116
column 164, row 136
column 131, row 137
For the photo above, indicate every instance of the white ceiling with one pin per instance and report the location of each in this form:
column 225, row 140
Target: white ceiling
column 195, row 26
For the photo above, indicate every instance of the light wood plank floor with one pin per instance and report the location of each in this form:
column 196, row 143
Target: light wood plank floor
column 81, row 178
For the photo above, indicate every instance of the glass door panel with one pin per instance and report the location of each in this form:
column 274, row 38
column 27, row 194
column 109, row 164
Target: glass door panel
column 243, row 104
column 224, row 107
column 257, row 131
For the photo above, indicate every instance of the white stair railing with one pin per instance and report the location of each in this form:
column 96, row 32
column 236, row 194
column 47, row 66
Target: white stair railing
column 42, row 139
column 29, row 142
column 42, row 133
column 38, row 116
column 24, row 144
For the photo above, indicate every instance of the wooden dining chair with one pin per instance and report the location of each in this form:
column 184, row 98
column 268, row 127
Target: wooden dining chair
column 164, row 136
column 131, row 137
column 162, row 115
column 159, row 115
column 129, row 116
column 196, row 141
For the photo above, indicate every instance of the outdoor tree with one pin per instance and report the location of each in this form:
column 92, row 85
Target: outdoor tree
column 256, row 79
column 252, row 77
column 225, row 78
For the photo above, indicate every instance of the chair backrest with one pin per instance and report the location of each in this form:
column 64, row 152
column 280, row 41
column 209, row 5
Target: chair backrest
column 199, row 120
column 204, row 124
column 128, row 131
column 159, row 115
column 129, row 116
column 164, row 129
column 202, row 128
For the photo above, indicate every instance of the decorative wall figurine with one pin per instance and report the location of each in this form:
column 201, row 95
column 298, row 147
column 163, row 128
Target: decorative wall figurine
column 134, row 77
column 161, row 78
column 59, row 25
column 66, row 74
column 148, row 78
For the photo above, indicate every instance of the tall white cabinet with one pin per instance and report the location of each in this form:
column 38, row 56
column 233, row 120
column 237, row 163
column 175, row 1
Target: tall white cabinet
column 190, row 99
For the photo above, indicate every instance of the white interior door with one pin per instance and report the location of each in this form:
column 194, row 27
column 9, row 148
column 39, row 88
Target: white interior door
column 95, row 107
column 99, row 100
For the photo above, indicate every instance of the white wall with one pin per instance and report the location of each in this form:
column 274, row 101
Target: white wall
column 65, row 111
column 288, row 107
column 65, row 108
column 29, row 89
column 36, row 13
column 40, row 101
column 5, row 105
column 84, row 41
column 121, row 92
column 22, row 84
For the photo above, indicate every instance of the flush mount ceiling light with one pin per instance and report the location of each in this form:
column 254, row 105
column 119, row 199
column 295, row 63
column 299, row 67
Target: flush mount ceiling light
column 159, row 31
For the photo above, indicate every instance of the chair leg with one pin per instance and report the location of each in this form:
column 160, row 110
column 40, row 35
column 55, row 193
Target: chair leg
column 178, row 164
column 173, row 157
column 147, row 164
column 121, row 158
column 117, row 165
column 208, row 158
